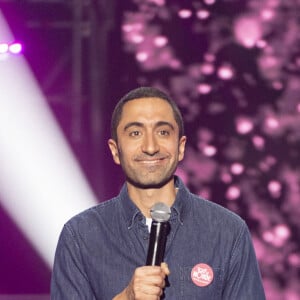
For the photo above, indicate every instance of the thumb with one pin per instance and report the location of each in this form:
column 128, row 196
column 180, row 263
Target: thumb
column 165, row 268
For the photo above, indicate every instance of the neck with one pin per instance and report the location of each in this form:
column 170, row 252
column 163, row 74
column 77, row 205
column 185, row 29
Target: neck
column 144, row 199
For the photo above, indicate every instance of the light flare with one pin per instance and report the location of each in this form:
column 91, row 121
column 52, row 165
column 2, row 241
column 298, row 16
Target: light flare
column 41, row 184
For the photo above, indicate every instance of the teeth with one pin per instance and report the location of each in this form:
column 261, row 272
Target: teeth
column 150, row 161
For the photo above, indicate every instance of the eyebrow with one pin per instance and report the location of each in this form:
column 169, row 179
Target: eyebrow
column 164, row 123
column 131, row 124
column 139, row 124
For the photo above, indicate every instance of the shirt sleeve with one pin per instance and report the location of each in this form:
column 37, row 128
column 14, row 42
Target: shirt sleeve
column 69, row 280
column 244, row 280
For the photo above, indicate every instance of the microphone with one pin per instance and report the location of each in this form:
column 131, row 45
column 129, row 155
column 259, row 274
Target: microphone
column 160, row 228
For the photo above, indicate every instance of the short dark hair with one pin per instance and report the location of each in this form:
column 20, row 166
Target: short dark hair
column 144, row 92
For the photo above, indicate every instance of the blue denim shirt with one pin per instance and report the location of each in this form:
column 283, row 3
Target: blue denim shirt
column 99, row 249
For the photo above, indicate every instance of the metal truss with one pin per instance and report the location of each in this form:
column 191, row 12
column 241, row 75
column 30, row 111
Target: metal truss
column 86, row 26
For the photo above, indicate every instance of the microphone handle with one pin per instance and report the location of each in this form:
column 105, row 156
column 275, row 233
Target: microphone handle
column 157, row 244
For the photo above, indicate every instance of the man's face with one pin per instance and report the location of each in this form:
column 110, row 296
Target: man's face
column 148, row 146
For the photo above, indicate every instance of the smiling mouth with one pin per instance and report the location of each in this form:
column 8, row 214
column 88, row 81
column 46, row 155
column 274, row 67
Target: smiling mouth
column 150, row 161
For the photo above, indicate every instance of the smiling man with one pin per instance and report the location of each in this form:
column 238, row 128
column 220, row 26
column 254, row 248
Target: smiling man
column 148, row 147
column 101, row 252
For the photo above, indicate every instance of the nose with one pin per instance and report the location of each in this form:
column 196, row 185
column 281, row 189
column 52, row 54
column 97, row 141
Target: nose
column 150, row 145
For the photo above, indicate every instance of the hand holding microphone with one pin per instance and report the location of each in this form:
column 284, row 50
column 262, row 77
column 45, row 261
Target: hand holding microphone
column 148, row 282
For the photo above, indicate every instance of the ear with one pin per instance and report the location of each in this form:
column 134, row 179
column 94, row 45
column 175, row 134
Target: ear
column 112, row 144
column 181, row 148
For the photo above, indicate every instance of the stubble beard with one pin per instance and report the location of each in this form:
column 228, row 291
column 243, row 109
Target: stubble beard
column 151, row 177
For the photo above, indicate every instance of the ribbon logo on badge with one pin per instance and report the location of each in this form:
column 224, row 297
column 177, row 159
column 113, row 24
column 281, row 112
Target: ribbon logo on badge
column 202, row 275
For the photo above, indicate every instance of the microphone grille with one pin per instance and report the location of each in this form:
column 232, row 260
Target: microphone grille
column 160, row 212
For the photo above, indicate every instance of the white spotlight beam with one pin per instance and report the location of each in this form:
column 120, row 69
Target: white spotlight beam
column 41, row 184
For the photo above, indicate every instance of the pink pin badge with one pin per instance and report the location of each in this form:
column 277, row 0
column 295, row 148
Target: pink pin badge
column 202, row 275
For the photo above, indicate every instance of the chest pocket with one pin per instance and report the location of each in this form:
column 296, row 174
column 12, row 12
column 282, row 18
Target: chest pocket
column 191, row 291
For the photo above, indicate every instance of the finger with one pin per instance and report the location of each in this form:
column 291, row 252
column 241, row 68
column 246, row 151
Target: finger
column 151, row 280
column 164, row 266
column 148, row 270
column 145, row 291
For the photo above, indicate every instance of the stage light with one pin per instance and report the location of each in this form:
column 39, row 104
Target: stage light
column 258, row 142
column 41, row 184
column 275, row 188
column 204, row 88
column 10, row 48
column 203, row 14
column 244, row 125
column 142, row 56
column 248, row 30
column 233, row 192
column 225, row 72
column 3, row 48
column 160, row 41
column 185, row 13
column 15, row 48
column 209, row 150
column 237, row 168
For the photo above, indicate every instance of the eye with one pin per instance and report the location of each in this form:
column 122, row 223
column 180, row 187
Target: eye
column 134, row 133
column 164, row 132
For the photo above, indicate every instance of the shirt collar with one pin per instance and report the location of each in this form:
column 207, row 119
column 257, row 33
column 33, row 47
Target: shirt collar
column 178, row 209
column 129, row 209
column 181, row 203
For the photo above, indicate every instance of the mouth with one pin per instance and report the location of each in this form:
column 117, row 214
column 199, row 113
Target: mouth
column 150, row 160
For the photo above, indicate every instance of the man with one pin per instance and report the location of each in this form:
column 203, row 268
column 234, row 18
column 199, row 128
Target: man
column 101, row 252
